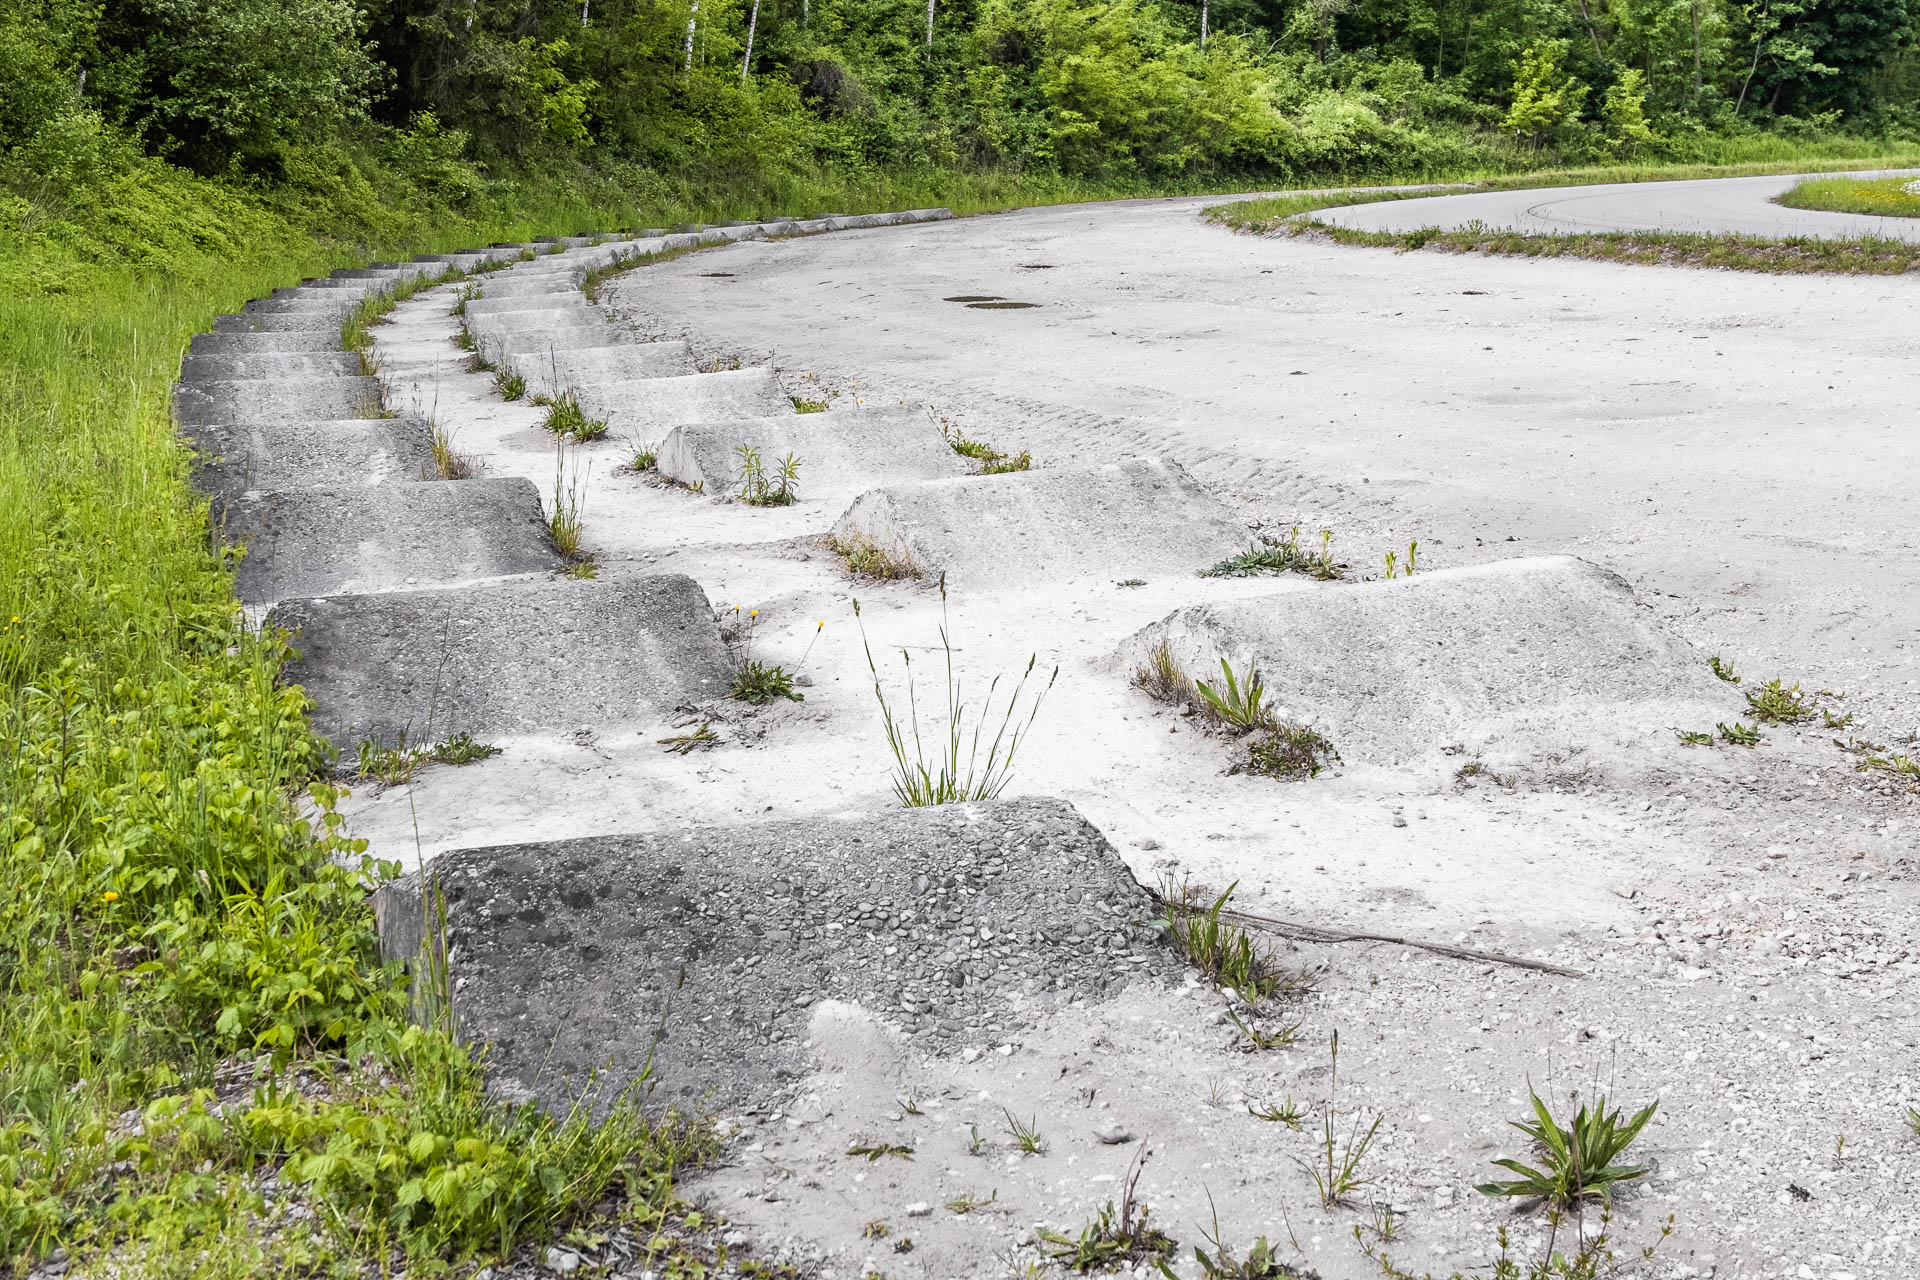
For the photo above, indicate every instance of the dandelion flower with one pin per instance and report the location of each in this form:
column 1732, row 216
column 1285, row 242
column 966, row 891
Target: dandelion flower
column 109, row 896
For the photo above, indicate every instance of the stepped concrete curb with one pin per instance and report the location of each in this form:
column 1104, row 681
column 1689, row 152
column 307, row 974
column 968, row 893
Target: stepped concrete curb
column 231, row 459
column 841, row 451
column 1146, row 518
column 277, row 399
column 1390, row 670
column 199, row 369
column 362, row 538
column 224, row 343
column 703, row 952
column 554, row 370
column 535, row 656
column 648, row 408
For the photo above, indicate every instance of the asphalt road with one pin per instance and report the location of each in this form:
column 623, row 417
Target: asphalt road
column 1743, row 206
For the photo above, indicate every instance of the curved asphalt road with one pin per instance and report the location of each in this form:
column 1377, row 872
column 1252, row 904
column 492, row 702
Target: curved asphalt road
column 1742, row 206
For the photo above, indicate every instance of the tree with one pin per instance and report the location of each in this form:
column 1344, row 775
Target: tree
column 1623, row 113
column 1544, row 97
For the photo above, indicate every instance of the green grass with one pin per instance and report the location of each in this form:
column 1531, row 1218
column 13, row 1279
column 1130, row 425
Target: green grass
column 1884, row 197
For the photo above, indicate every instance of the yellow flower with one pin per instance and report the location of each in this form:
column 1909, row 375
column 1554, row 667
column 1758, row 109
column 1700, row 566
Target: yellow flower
column 109, row 896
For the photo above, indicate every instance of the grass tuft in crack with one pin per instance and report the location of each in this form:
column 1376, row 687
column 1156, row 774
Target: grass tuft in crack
column 1276, row 555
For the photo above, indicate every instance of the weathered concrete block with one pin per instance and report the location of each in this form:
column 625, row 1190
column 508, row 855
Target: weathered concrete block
column 269, row 364
column 225, row 343
column 703, row 951
column 277, row 399
column 232, row 458
column 283, row 322
column 566, row 300
column 549, row 655
column 648, row 408
column 508, row 285
column 841, row 452
column 566, row 328
column 1144, row 518
column 1389, row 670
column 509, row 350
column 553, row 370
column 326, row 541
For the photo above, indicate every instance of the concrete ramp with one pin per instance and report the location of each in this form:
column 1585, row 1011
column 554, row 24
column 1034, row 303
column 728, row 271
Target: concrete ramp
column 648, row 408
column 841, row 452
column 232, row 458
column 328, row 541
column 1391, row 670
column 277, row 399
column 706, row 951
column 1146, row 518
column 553, row 370
column 533, row 656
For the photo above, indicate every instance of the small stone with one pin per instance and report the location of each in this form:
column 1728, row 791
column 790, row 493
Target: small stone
column 1113, row 1133
column 563, row 1262
column 919, row 1209
column 1399, row 821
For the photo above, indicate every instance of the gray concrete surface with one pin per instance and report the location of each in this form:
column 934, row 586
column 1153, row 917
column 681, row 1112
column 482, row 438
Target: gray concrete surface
column 507, row 658
column 648, row 408
column 516, row 349
column 1142, row 518
column 225, row 343
column 518, row 304
column 703, row 951
column 282, row 322
column 554, row 369
column 1391, row 670
column 841, row 451
column 495, row 335
column 232, row 458
column 1743, row 206
column 270, row 364
column 322, row 542
column 277, row 399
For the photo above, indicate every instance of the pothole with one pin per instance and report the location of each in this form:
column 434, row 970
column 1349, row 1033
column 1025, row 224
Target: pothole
column 973, row 297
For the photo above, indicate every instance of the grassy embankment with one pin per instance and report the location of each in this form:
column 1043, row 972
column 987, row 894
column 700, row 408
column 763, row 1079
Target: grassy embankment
column 1866, row 255
column 165, row 909
column 1883, row 197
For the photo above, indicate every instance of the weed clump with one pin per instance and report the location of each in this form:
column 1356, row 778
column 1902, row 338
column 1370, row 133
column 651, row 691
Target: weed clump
column 761, row 488
column 758, row 683
column 1276, row 555
column 511, row 386
column 1579, row 1157
column 1270, row 747
column 1775, row 703
column 868, row 559
column 1116, row 1238
column 803, row 405
column 568, row 421
column 992, row 461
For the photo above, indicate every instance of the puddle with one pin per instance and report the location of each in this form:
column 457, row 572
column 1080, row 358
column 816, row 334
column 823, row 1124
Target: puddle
column 973, row 297
column 1001, row 306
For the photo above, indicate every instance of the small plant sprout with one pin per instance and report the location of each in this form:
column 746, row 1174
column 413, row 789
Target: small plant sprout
column 1115, row 1238
column 954, row 773
column 754, row 682
column 645, row 457
column 1836, row 722
column 1025, row 1134
column 450, row 463
column 1270, row 746
column 976, row 1141
column 966, row 1202
column 803, row 405
column 1262, row 1260
column 568, row 421
column 1336, row 1175
column 1724, row 669
column 1236, row 702
column 992, row 461
column 511, row 386
column 759, row 488
column 1693, row 738
column 565, row 518
column 1396, row 568
column 1739, row 735
column 1774, row 703
column 879, row 1151
column 1580, row 1159
column 1287, row 1113
column 685, row 744
column 462, row 749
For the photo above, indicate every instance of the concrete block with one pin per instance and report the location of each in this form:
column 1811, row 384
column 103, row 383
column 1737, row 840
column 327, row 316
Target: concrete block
column 710, row 951
column 553, row 370
column 1390, row 670
column 198, row 369
column 511, row 349
column 648, row 408
column 280, row 322
column 536, row 303
column 277, row 399
column 541, row 656
column 1145, row 518
column 841, row 451
column 326, row 541
column 232, row 458
column 496, row 334
column 230, row 344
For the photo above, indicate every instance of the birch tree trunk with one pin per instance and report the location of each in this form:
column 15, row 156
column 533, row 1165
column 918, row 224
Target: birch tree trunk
column 930, row 4
column 1204, row 16
column 693, row 19
column 753, row 23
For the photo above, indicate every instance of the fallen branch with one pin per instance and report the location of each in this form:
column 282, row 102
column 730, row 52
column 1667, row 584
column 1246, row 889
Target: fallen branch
column 1313, row 933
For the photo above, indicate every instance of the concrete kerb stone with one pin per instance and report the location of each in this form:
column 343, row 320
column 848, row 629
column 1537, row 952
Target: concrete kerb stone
column 234, row 344
column 1391, row 670
column 509, row 658
column 648, row 408
column 703, row 952
column 234, row 458
column 269, row 364
column 552, row 370
column 1145, row 518
column 276, row 399
column 526, row 303
column 494, row 336
column 841, row 451
column 281, row 322
column 363, row 538
column 511, row 350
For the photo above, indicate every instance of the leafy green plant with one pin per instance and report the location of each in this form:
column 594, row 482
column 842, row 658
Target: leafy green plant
column 755, row 682
column 568, row 421
column 1396, row 568
column 966, row 1202
column 566, row 508
column 645, row 458
column 759, row 488
column 1287, row 1113
column 1579, row 1158
column 1723, row 669
column 1237, row 702
column 684, row 744
column 867, row 559
column 1220, row 1262
column 1213, row 944
column 803, row 405
column 955, row 773
column 462, row 749
column 1693, row 738
column 877, row 1151
column 1274, row 555
column 992, row 461
column 1336, row 1175
column 1739, row 735
column 1835, row 722
column 1115, row 1238
column 511, row 386
column 1775, row 703
column 449, row 463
